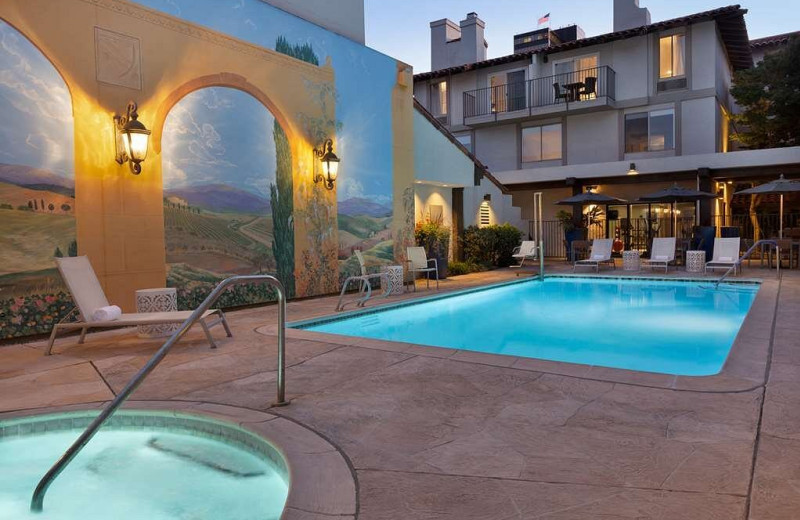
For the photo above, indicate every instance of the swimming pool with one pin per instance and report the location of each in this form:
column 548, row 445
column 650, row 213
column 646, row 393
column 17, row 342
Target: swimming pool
column 669, row 327
column 158, row 466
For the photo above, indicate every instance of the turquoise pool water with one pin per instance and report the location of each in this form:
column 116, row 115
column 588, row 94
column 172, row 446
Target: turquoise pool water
column 138, row 473
column 670, row 327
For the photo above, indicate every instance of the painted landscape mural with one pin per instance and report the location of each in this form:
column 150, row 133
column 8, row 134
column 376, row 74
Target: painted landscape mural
column 364, row 81
column 37, row 188
column 223, row 155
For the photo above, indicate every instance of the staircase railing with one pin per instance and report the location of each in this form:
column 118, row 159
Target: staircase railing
column 747, row 254
column 37, row 501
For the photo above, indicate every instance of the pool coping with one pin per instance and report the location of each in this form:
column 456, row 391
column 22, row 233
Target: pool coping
column 321, row 482
column 744, row 369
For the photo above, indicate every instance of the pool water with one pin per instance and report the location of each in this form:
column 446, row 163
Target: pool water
column 670, row 327
column 153, row 475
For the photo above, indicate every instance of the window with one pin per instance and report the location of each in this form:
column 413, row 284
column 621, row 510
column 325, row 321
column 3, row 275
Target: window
column 650, row 131
column 671, row 56
column 466, row 140
column 439, row 99
column 541, row 143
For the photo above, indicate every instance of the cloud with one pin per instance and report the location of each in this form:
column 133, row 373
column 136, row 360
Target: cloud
column 250, row 23
column 47, row 147
column 349, row 188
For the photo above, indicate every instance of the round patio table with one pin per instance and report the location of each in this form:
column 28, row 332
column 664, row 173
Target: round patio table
column 163, row 299
column 695, row 261
column 631, row 260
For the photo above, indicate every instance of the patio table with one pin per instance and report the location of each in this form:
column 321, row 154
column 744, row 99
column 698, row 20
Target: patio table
column 695, row 261
column 574, row 89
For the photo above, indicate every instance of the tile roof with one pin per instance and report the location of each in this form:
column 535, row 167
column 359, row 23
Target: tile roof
column 730, row 21
column 776, row 39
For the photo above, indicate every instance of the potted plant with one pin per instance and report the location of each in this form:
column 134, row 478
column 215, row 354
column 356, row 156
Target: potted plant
column 434, row 236
column 572, row 230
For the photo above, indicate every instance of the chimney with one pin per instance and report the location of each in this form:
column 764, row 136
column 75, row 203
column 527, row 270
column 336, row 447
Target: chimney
column 473, row 43
column 628, row 15
column 453, row 45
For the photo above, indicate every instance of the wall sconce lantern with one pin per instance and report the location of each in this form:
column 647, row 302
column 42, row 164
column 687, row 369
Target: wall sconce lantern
column 632, row 170
column 487, row 197
column 330, row 164
column 132, row 139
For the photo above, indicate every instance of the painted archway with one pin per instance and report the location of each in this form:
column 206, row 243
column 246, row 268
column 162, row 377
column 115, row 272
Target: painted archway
column 37, row 187
column 227, row 175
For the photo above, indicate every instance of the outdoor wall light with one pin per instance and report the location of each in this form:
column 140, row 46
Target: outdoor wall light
column 487, row 197
column 330, row 164
column 632, row 170
column 132, row 139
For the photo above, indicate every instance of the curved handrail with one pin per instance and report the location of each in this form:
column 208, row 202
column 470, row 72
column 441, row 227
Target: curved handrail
column 37, row 501
column 746, row 255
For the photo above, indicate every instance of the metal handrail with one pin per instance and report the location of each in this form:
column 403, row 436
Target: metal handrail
column 37, row 501
column 746, row 255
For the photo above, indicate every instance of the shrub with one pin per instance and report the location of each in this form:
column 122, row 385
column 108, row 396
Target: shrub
column 490, row 246
column 457, row 268
column 434, row 237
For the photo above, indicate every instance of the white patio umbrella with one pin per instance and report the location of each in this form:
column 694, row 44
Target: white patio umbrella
column 780, row 186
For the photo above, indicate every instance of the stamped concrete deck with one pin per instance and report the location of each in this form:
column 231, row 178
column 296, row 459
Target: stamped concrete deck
column 435, row 433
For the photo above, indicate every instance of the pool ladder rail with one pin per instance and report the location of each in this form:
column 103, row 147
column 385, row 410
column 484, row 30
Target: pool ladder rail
column 736, row 265
column 37, row 501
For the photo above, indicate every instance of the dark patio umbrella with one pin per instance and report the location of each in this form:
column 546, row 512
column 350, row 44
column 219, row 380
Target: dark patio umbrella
column 780, row 186
column 587, row 198
column 675, row 194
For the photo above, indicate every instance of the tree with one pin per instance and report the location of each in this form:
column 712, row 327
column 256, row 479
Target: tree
column 770, row 100
column 72, row 250
column 65, row 207
column 51, row 207
column 58, row 253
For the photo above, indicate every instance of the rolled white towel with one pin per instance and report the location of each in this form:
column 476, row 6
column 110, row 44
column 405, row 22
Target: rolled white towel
column 110, row 313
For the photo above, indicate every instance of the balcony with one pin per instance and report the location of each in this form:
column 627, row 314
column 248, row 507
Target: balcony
column 581, row 90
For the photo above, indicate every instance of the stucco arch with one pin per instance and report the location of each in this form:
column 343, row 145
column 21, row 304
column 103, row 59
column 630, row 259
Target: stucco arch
column 224, row 79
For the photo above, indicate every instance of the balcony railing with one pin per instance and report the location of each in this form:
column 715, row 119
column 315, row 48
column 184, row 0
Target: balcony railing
column 567, row 88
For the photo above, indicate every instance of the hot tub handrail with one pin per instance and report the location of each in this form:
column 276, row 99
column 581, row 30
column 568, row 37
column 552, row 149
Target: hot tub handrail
column 37, row 501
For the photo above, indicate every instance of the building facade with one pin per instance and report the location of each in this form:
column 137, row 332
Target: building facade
column 648, row 99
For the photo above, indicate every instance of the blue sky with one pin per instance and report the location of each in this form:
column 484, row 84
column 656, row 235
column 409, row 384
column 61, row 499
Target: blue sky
column 364, row 81
column 219, row 136
column 35, row 104
column 400, row 28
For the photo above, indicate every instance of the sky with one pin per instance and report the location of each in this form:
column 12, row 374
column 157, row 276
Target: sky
column 400, row 28
column 36, row 108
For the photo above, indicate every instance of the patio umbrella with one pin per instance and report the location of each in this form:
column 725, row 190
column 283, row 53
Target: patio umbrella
column 779, row 186
column 587, row 198
column 675, row 194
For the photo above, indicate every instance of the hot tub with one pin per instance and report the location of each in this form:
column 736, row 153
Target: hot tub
column 142, row 465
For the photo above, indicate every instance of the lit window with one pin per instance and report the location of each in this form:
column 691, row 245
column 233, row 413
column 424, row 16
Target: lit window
column 650, row 132
column 440, row 99
column 671, row 56
column 541, row 143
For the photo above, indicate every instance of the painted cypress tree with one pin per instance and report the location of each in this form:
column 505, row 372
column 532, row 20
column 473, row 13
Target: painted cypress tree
column 72, row 250
column 281, row 197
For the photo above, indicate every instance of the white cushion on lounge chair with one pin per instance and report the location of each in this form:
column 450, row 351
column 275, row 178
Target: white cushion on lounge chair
column 726, row 259
column 661, row 258
column 597, row 257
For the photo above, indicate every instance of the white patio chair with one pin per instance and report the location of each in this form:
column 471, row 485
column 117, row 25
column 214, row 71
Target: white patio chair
column 726, row 254
column 600, row 254
column 88, row 296
column 418, row 262
column 662, row 254
column 526, row 250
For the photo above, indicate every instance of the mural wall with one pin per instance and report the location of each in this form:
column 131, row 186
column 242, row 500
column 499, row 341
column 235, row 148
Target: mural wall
column 37, row 187
column 363, row 126
column 222, row 153
column 237, row 94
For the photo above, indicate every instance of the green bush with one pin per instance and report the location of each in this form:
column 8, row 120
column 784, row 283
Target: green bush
column 490, row 246
column 434, row 237
column 457, row 268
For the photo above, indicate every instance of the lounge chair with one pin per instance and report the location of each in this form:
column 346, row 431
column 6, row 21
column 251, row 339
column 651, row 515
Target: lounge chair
column 88, row 295
column 662, row 253
column 726, row 254
column 600, row 254
column 524, row 251
column 418, row 262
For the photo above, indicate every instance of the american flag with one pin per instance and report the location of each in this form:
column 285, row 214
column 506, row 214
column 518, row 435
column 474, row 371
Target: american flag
column 544, row 19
